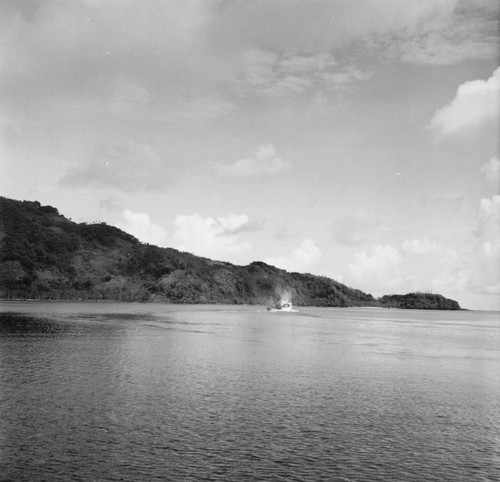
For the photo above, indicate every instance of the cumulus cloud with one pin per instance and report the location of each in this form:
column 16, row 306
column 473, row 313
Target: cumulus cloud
column 377, row 269
column 127, row 166
column 301, row 259
column 489, row 220
column 475, row 103
column 423, row 264
column 216, row 238
column 141, row 226
column 486, row 272
column 491, row 173
column 475, row 267
column 421, row 246
column 415, row 265
column 265, row 162
column 485, row 263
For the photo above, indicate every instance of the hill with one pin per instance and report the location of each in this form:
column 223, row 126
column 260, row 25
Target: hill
column 422, row 301
column 44, row 255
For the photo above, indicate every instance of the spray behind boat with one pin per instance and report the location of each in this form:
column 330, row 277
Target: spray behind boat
column 281, row 300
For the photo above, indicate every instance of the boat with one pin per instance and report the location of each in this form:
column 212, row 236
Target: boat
column 281, row 306
column 286, row 306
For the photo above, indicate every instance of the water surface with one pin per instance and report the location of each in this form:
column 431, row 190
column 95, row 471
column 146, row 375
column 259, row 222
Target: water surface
column 127, row 392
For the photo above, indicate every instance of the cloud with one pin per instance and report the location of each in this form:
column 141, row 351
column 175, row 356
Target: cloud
column 471, row 267
column 301, row 259
column 265, row 162
column 475, row 103
column 435, row 33
column 216, row 238
column 485, row 261
column 489, row 219
column 128, row 166
column 421, row 247
column 436, row 48
column 163, row 49
column 416, row 265
column 110, row 58
column 416, row 31
column 208, row 109
column 376, row 270
column 486, row 272
column 274, row 74
column 192, row 61
column 321, row 25
column 491, row 172
column 141, row 226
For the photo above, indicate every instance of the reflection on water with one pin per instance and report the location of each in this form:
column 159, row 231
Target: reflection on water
column 158, row 392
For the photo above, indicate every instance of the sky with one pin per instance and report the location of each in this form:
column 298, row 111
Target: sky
column 354, row 139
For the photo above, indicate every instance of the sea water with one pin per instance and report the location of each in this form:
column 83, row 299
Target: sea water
column 129, row 392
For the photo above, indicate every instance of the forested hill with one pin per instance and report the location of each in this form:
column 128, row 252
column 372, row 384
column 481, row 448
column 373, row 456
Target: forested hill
column 422, row 301
column 44, row 255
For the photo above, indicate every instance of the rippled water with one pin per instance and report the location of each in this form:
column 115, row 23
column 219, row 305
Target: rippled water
column 131, row 392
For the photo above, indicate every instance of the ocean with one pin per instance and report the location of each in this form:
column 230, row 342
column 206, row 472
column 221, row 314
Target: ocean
column 140, row 392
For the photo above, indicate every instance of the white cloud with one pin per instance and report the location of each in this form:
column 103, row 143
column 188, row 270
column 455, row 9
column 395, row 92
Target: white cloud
column 216, row 238
column 491, row 172
column 280, row 75
column 479, row 264
column 418, row 265
column 486, row 267
column 376, row 270
column 489, row 219
column 344, row 77
column 475, row 103
column 207, row 109
column 421, row 247
column 302, row 63
column 265, row 162
column 471, row 268
column 141, row 226
column 426, row 265
column 486, row 272
column 301, row 259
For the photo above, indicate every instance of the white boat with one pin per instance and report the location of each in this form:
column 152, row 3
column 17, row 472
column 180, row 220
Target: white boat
column 287, row 306
column 281, row 306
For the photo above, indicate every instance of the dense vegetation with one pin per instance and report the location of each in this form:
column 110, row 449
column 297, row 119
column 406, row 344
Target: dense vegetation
column 422, row 301
column 44, row 255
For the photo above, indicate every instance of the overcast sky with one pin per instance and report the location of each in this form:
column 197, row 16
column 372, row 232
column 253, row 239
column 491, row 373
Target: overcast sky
column 356, row 139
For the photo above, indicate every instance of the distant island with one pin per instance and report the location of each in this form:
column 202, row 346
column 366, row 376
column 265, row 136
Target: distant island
column 44, row 255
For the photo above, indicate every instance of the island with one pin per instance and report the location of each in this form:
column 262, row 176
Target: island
column 46, row 256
